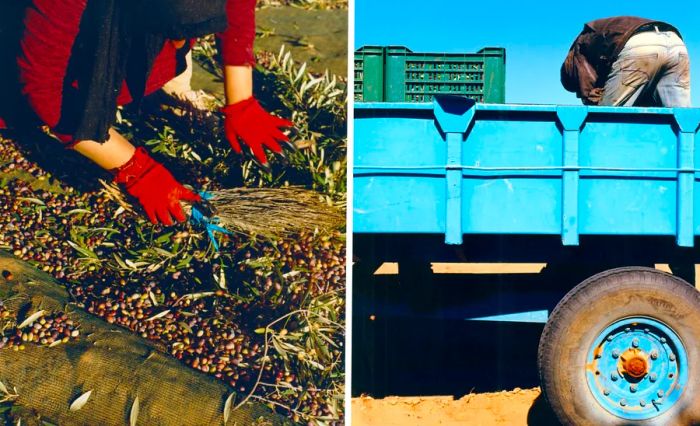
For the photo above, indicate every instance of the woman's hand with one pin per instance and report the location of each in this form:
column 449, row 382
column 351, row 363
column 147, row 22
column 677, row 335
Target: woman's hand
column 249, row 122
column 246, row 120
column 156, row 189
column 143, row 177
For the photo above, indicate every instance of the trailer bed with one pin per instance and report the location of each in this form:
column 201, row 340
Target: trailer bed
column 454, row 167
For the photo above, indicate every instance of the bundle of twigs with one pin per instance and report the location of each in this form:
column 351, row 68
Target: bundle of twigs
column 270, row 212
column 273, row 211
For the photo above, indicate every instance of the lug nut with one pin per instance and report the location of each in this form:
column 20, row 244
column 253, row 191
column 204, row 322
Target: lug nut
column 635, row 343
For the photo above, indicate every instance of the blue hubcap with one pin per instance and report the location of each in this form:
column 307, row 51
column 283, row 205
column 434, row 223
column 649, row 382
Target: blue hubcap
column 637, row 368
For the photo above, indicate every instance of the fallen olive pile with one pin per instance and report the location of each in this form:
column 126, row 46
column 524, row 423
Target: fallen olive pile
column 252, row 306
column 49, row 330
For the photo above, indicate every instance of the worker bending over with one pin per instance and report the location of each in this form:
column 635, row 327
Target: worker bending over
column 628, row 61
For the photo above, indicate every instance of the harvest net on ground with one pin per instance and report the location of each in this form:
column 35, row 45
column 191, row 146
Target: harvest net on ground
column 263, row 316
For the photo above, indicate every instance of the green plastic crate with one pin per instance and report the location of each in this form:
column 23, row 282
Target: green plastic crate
column 397, row 74
column 369, row 74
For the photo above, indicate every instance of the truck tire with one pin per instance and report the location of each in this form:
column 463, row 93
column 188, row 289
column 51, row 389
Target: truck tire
column 623, row 348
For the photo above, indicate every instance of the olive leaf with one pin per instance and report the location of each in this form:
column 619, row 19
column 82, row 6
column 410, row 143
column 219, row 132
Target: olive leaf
column 227, row 407
column 196, row 296
column 30, row 319
column 153, row 298
column 78, row 211
column 220, row 279
column 7, row 395
column 80, row 401
column 159, row 315
column 32, row 200
column 134, row 415
column 82, row 250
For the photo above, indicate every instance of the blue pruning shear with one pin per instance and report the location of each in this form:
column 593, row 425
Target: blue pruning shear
column 204, row 215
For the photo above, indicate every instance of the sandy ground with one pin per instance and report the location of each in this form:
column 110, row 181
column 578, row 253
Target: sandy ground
column 514, row 408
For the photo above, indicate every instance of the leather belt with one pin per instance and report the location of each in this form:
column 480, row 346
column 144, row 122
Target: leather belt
column 655, row 27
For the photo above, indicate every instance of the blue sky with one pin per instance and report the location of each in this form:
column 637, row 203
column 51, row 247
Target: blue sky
column 536, row 35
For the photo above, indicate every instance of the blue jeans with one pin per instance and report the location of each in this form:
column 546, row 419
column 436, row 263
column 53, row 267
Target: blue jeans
column 652, row 70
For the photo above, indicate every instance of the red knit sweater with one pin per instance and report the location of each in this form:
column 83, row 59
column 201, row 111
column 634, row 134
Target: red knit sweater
column 51, row 27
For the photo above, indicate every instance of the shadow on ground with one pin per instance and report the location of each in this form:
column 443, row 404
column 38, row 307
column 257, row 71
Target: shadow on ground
column 398, row 351
column 541, row 414
column 63, row 164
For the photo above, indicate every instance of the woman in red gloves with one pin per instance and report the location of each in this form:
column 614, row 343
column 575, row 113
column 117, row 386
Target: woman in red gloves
column 78, row 59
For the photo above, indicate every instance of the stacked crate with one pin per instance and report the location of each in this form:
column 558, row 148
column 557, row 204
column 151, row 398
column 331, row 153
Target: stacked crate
column 397, row 74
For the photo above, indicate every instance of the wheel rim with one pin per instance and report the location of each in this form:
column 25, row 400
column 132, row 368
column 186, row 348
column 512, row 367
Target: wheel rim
column 637, row 368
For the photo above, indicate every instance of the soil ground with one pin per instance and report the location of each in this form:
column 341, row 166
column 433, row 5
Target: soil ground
column 514, row 408
column 317, row 37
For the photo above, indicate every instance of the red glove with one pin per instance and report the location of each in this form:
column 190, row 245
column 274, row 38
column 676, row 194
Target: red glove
column 255, row 126
column 156, row 189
